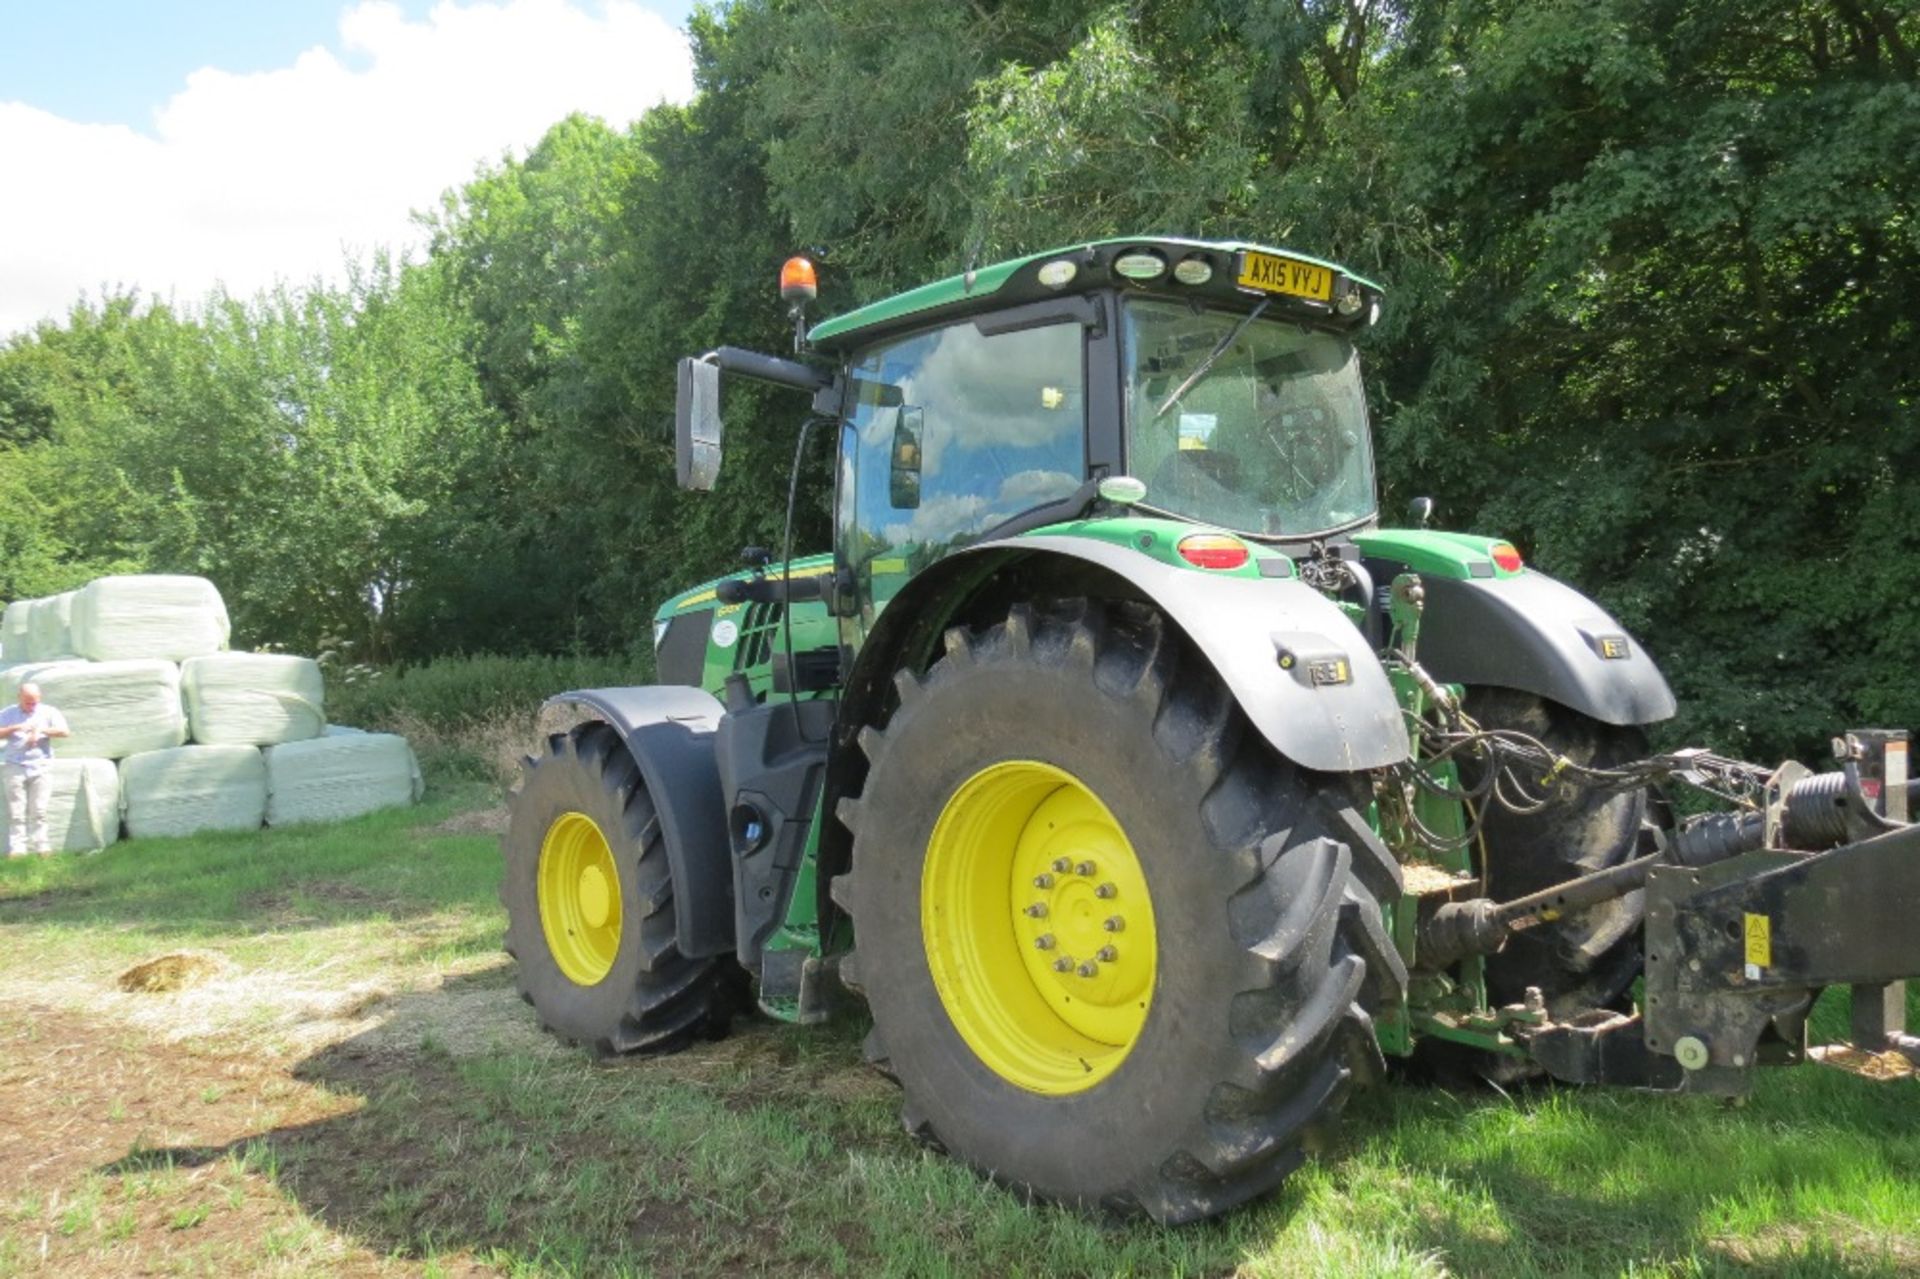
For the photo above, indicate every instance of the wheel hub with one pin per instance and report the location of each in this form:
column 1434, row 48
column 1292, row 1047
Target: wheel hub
column 595, row 901
column 1038, row 926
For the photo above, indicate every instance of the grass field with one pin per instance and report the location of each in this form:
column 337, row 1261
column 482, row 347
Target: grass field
column 356, row 1089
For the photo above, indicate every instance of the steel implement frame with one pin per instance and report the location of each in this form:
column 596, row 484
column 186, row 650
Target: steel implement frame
column 1737, row 950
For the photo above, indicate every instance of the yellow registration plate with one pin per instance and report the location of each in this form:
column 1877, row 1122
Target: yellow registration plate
column 1272, row 274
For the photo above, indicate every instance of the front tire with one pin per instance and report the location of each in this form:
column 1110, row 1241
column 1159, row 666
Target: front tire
column 1588, row 959
column 1232, row 1016
column 590, row 906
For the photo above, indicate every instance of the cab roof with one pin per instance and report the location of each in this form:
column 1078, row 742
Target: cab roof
column 1016, row 280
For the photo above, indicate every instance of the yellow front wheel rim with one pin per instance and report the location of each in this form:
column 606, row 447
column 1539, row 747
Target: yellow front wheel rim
column 1038, row 927
column 579, row 890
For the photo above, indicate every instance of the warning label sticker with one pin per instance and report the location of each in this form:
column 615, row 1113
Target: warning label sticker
column 1759, row 932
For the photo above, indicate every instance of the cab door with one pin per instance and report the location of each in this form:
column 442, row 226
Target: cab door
column 951, row 431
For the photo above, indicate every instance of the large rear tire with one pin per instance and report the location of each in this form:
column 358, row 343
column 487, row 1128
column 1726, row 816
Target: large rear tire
column 590, row 906
column 1052, row 775
column 1588, row 959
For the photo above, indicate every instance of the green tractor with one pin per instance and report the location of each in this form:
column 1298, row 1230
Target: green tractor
column 1151, row 793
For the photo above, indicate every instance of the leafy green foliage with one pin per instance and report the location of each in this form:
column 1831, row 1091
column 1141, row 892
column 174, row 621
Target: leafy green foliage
column 1649, row 265
column 454, row 692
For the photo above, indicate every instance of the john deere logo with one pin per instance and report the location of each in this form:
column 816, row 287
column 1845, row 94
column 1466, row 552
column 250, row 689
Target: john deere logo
column 1613, row 647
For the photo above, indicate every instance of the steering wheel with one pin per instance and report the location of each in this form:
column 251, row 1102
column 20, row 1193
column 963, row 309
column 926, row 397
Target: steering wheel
column 1178, row 472
column 1311, row 448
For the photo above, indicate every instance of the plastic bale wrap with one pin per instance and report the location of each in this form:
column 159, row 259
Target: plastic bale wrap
column 114, row 709
column 148, row 616
column 16, row 632
column 83, row 810
column 48, row 635
column 329, row 779
column 192, row 789
column 18, row 673
column 252, row 699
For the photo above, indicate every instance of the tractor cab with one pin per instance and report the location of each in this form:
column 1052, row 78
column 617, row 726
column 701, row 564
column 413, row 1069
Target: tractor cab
column 1219, row 378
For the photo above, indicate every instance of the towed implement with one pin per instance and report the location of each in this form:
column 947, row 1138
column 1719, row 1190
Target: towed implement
column 1148, row 790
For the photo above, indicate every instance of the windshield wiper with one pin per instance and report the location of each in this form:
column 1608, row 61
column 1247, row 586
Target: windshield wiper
column 1200, row 370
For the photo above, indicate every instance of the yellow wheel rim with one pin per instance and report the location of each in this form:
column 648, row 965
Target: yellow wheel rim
column 1038, row 927
column 579, row 890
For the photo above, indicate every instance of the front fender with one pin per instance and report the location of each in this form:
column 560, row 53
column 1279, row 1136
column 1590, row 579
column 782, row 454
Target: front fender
column 1536, row 634
column 669, row 729
column 1242, row 625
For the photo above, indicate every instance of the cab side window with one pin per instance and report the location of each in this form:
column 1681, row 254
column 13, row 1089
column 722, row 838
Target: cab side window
column 955, row 432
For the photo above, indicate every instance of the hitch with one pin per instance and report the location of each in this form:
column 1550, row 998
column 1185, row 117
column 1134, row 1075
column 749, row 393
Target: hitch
column 1750, row 914
column 1737, row 951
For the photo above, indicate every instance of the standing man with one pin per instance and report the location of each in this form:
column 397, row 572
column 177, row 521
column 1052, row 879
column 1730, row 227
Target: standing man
column 27, row 731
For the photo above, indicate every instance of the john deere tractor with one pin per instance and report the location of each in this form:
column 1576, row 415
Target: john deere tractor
column 1150, row 792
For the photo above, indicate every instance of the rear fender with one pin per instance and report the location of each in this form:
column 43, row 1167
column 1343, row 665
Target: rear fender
column 669, row 729
column 1242, row 625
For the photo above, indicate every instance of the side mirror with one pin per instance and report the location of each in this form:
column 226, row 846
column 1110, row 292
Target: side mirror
column 696, row 424
column 903, row 477
column 1420, row 510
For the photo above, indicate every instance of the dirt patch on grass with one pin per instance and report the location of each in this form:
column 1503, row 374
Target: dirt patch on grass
column 121, row 1153
column 125, row 1154
column 282, row 906
column 25, row 906
column 1839, row 1244
column 76, row 1094
column 478, row 821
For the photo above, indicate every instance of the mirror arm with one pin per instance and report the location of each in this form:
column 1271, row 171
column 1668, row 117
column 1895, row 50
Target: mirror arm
column 769, row 368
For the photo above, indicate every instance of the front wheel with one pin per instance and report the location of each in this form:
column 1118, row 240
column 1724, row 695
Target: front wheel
column 590, row 906
column 1588, row 959
column 1118, row 952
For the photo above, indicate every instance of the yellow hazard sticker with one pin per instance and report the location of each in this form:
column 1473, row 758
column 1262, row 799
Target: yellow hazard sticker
column 1759, row 942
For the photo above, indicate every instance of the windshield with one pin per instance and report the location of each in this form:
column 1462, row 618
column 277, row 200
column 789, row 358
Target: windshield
column 1270, row 438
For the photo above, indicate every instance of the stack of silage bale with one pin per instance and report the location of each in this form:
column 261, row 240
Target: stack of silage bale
column 204, row 739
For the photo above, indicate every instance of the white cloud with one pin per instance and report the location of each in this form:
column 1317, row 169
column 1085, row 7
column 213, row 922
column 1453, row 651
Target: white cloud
column 283, row 173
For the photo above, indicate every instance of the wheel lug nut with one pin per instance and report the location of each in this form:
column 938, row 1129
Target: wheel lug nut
column 1088, row 969
column 1062, row 865
column 1063, row 964
column 1114, row 924
column 1105, row 890
column 1084, row 868
column 1043, row 942
column 1043, row 881
column 1038, row 910
column 1107, row 955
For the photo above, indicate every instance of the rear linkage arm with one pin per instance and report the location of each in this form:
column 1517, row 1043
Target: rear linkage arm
column 1749, row 914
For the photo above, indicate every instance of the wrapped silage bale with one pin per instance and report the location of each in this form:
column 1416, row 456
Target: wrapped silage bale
column 252, row 699
column 149, row 615
column 47, row 627
column 341, row 730
column 192, row 789
column 114, row 709
column 83, row 805
column 329, row 779
column 17, row 673
column 16, row 631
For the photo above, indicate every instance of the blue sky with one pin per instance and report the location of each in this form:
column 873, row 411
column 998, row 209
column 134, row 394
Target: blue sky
column 114, row 61
column 170, row 150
